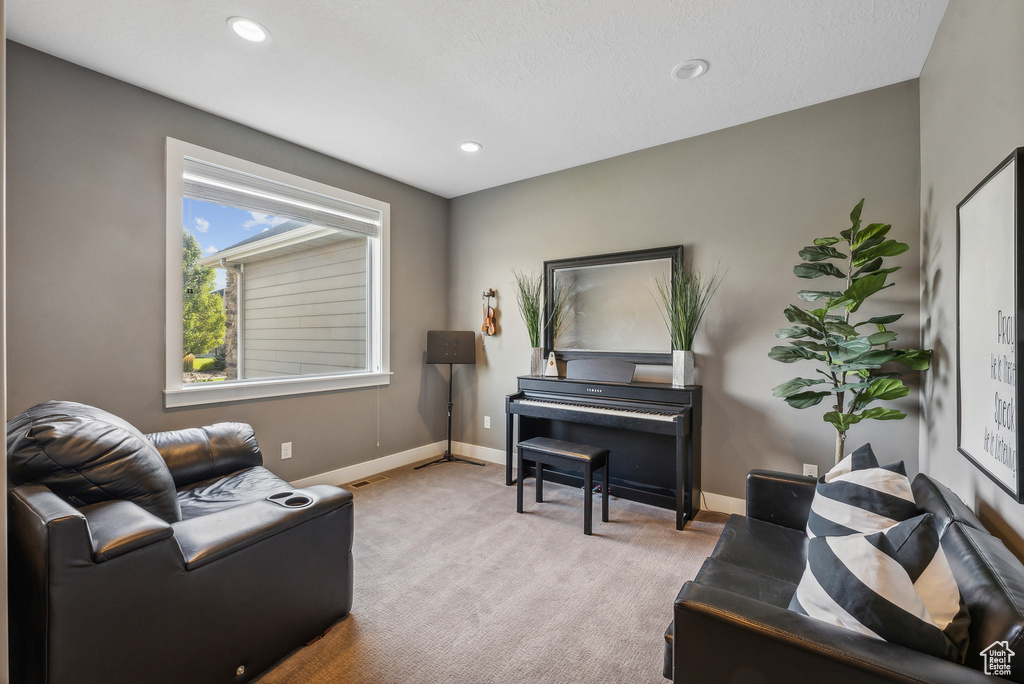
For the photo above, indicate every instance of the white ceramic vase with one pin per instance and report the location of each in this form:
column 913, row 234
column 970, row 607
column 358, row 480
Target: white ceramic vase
column 683, row 372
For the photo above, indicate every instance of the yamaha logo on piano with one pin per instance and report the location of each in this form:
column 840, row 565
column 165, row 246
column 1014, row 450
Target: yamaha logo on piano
column 594, row 390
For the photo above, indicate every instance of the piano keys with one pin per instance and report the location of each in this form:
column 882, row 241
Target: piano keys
column 651, row 429
column 639, row 412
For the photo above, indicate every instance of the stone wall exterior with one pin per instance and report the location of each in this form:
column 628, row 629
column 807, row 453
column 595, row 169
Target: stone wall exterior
column 231, row 325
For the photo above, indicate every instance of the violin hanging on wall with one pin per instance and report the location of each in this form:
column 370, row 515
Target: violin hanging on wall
column 490, row 325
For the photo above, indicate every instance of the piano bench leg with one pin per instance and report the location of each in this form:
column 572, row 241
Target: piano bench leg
column 538, row 468
column 604, row 493
column 519, row 483
column 588, row 499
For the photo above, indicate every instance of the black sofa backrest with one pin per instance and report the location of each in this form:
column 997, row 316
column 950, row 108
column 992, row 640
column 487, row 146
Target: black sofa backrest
column 990, row 577
column 197, row 454
column 936, row 498
column 991, row 581
column 85, row 456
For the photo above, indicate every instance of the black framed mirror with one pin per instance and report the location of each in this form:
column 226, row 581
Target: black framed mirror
column 611, row 305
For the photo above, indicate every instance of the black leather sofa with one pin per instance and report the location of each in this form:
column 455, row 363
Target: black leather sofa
column 172, row 557
column 731, row 624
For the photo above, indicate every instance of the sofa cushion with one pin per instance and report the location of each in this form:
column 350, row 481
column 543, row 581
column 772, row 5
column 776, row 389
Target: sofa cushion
column 86, row 455
column 858, row 496
column 219, row 493
column 894, row 585
column 749, row 583
column 991, row 580
column 769, row 549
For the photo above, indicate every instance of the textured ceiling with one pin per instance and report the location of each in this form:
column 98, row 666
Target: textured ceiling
column 395, row 85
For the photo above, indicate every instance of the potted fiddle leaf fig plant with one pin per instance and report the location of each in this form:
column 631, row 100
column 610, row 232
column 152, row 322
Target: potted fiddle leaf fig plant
column 852, row 355
column 529, row 287
column 685, row 299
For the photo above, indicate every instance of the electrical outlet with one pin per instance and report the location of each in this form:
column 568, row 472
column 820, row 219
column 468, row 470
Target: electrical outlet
column 487, row 422
column 811, row 469
column 286, row 450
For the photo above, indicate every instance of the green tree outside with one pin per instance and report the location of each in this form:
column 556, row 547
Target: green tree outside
column 204, row 310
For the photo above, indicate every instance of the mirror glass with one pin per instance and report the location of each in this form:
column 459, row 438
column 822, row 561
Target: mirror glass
column 612, row 305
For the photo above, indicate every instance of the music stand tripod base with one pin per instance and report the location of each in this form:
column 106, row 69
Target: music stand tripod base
column 448, row 458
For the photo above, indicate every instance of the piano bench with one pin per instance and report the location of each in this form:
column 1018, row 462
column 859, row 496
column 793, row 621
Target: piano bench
column 554, row 452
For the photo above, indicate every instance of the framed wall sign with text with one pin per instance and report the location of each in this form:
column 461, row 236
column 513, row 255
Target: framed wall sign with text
column 988, row 311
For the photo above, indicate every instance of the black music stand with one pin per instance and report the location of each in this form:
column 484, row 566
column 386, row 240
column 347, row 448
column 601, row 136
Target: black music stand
column 451, row 347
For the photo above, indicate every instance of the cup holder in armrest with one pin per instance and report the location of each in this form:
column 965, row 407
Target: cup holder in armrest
column 291, row 499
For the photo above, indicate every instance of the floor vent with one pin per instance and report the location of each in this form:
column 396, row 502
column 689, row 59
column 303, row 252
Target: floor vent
column 363, row 483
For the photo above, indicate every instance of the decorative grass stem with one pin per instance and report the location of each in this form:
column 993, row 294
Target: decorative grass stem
column 528, row 289
column 685, row 300
column 528, row 296
column 563, row 309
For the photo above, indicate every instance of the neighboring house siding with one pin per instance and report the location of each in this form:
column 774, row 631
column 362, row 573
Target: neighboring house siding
column 305, row 312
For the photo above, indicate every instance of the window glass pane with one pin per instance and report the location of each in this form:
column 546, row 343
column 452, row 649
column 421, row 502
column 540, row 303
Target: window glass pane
column 292, row 296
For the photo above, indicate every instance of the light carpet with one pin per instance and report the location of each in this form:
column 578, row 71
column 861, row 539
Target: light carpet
column 453, row 586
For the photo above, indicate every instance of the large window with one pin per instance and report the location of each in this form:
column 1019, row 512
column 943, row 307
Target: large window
column 283, row 286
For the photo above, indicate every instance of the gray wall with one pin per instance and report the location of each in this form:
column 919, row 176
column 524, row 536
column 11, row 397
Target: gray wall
column 749, row 197
column 86, row 257
column 972, row 99
column 4, row 675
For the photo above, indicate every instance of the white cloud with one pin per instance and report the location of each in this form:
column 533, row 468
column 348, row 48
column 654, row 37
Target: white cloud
column 210, row 250
column 202, row 225
column 259, row 219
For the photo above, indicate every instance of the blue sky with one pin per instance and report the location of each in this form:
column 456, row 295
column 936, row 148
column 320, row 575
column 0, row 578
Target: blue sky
column 216, row 226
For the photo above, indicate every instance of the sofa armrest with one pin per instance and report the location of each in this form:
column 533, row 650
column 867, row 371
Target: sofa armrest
column 780, row 498
column 725, row 637
column 207, row 538
column 117, row 527
column 40, row 521
column 196, row 454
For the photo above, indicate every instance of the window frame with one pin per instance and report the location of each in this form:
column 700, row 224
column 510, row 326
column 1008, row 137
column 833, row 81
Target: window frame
column 176, row 392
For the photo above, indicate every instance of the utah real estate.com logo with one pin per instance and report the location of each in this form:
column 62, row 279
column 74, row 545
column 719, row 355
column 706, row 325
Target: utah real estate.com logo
column 997, row 659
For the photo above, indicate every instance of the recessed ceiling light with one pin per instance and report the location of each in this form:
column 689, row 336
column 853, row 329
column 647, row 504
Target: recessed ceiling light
column 470, row 146
column 249, row 29
column 691, row 69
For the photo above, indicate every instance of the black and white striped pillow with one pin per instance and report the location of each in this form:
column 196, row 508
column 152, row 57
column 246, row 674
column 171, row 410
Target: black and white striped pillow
column 894, row 585
column 858, row 496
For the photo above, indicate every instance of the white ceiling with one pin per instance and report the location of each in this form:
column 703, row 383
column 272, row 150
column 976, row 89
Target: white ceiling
column 395, row 85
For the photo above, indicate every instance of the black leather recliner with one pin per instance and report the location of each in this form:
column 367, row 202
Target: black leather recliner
column 172, row 557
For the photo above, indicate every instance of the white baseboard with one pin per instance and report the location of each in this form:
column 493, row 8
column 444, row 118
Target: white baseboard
column 480, row 453
column 724, row 504
column 360, row 471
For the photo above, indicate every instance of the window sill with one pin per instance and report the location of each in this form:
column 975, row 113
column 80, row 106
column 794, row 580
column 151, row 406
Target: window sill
column 218, row 392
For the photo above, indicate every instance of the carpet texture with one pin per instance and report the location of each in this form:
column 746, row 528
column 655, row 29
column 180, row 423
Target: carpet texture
column 453, row 586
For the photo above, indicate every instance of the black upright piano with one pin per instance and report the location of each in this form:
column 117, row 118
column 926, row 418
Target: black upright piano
column 651, row 429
